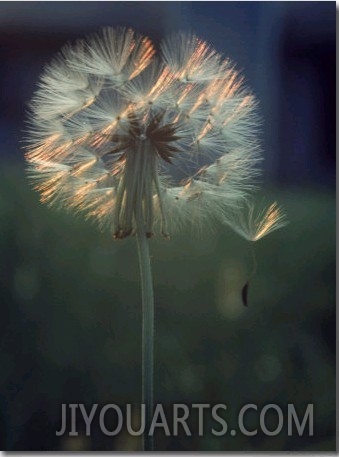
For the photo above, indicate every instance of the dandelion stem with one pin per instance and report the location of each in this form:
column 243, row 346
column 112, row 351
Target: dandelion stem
column 147, row 327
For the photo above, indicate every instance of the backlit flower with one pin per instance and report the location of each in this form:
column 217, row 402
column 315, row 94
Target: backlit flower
column 120, row 131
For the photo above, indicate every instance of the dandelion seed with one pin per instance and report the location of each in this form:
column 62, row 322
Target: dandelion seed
column 254, row 224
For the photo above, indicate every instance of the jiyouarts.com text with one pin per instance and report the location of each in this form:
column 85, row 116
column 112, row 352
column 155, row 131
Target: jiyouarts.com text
column 112, row 419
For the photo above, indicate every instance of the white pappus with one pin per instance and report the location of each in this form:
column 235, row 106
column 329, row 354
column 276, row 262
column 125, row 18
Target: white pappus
column 120, row 132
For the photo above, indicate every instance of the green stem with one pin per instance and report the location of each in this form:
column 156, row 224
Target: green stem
column 147, row 327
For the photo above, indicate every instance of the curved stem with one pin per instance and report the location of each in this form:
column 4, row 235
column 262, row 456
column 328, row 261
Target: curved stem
column 147, row 327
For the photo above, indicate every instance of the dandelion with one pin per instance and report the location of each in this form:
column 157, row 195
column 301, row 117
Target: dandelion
column 145, row 141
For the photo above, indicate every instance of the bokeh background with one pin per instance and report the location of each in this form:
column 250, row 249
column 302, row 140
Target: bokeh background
column 70, row 301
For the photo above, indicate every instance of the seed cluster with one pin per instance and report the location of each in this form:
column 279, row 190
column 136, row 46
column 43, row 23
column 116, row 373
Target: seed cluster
column 128, row 135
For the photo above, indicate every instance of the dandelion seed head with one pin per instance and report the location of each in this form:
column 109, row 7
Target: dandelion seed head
column 119, row 130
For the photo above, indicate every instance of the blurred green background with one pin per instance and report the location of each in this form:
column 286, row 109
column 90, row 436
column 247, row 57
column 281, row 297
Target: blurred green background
column 71, row 324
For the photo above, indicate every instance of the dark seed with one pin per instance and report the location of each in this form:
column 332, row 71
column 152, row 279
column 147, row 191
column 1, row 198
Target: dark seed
column 244, row 294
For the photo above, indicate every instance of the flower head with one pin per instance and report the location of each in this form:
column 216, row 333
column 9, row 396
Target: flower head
column 122, row 133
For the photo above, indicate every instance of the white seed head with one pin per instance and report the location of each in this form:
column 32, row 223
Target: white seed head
column 117, row 130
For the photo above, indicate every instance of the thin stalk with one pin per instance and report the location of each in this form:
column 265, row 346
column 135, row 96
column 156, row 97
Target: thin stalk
column 147, row 327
